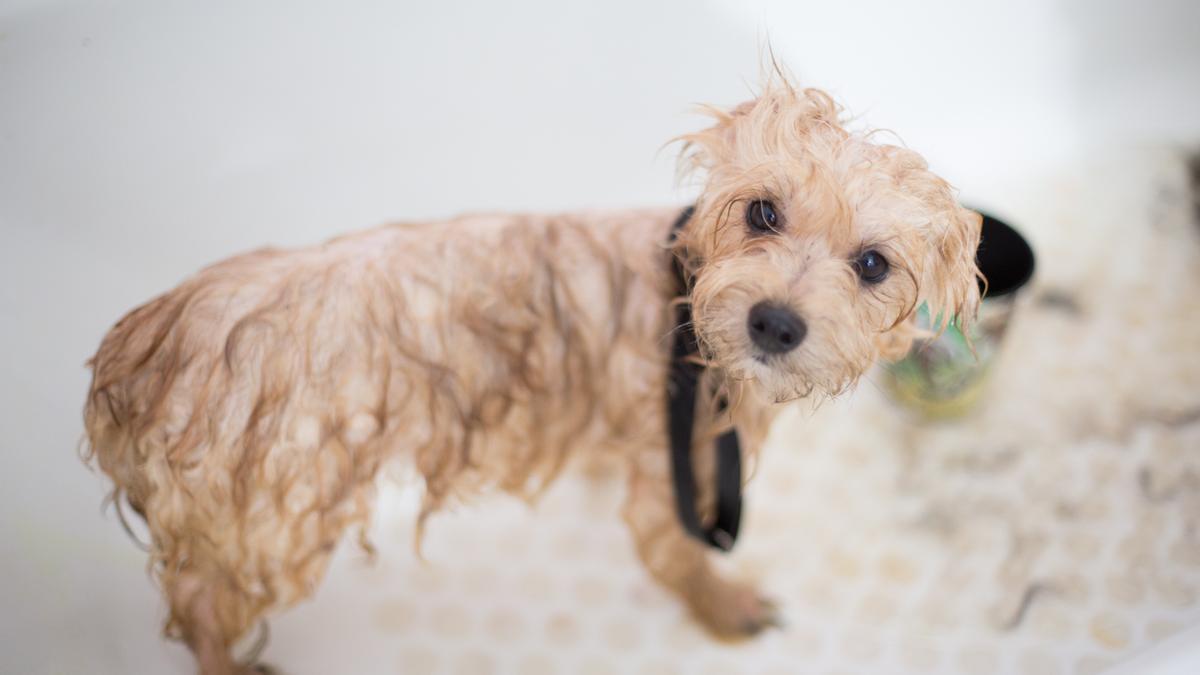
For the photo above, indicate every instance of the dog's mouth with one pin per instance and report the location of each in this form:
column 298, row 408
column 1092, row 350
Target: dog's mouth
column 776, row 376
column 789, row 377
column 778, row 383
column 775, row 363
column 779, row 377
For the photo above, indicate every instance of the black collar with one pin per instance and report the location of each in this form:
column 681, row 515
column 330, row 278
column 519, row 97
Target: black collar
column 681, row 413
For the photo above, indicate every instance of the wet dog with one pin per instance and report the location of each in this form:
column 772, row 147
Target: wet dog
column 245, row 414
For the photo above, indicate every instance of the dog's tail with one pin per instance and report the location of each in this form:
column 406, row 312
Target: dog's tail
column 125, row 401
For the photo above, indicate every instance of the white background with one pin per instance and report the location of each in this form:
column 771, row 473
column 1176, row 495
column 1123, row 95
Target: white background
column 141, row 140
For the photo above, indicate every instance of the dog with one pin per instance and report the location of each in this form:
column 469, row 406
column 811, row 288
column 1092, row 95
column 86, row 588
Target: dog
column 245, row 414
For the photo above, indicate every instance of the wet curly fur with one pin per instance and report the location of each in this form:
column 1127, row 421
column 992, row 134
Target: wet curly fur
column 246, row 413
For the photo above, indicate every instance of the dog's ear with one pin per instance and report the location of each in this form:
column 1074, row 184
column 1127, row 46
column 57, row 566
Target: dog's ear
column 951, row 284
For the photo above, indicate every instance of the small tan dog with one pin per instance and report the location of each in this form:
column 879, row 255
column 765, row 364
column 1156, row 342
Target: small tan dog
column 246, row 413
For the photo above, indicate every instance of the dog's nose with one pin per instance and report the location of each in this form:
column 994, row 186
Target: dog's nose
column 775, row 329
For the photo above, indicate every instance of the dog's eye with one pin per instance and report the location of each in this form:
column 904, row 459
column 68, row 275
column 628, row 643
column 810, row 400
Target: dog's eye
column 760, row 216
column 872, row 267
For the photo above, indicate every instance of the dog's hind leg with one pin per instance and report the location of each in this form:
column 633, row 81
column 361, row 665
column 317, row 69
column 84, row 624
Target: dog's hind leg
column 729, row 609
column 205, row 610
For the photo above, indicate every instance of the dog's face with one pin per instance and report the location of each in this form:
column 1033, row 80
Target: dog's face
column 812, row 247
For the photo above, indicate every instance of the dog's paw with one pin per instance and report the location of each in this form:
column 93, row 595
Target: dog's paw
column 733, row 611
column 762, row 614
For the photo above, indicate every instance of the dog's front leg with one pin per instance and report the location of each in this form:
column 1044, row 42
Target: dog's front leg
column 727, row 608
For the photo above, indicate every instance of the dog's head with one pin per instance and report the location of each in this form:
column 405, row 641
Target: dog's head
column 811, row 247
